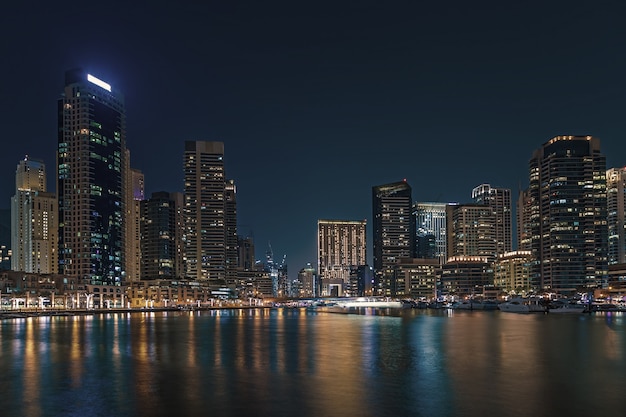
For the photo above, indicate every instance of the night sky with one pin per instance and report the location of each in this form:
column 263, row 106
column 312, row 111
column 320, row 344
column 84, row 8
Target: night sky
column 316, row 102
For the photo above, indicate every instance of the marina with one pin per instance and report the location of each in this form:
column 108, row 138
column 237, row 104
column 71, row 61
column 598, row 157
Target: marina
column 295, row 361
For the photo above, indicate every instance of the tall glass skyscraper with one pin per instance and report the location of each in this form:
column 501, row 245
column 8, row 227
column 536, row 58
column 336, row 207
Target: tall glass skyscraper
column 568, row 214
column 430, row 220
column 394, row 230
column 90, row 183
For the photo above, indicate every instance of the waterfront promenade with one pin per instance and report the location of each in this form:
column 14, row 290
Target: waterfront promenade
column 52, row 312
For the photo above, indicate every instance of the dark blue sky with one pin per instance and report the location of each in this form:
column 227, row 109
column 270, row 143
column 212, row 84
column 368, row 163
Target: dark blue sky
column 316, row 102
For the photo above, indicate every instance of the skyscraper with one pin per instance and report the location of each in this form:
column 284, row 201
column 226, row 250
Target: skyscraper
column 430, row 220
column 204, row 212
column 499, row 200
column 616, row 214
column 230, row 230
column 91, row 179
column 394, row 229
column 341, row 246
column 159, row 237
column 308, row 277
column 135, row 194
column 524, row 213
column 568, row 219
column 471, row 231
column 34, row 221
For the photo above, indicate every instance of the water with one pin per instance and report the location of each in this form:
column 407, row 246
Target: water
column 294, row 362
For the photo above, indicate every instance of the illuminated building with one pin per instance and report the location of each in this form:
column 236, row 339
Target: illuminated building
column 135, row 194
column 499, row 200
column 245, row 253
column 416, row 278
column 464, row 276
column 568, row 218
column 308, row 279
column 230, row 230
column 204, row 212
column 471, row 231
column 393, row 228
column 5, row 239
column 34, row 221
column 161, row 241
column 430, row 222
column 341, row 246
column 616, row 215
column 525, row 209
column 512, row 272
column 91, row 179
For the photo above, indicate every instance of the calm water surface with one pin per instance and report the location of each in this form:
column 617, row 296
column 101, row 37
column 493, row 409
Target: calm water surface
column 294, row 362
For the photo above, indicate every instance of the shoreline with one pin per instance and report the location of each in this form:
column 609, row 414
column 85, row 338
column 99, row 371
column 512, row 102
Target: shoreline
column 26, row 313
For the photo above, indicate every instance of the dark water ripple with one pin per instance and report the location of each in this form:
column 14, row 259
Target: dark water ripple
column 288, row 362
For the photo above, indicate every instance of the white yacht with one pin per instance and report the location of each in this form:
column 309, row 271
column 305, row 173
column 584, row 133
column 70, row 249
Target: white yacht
column 563, row 308
column 379, row 302
column 514, row 305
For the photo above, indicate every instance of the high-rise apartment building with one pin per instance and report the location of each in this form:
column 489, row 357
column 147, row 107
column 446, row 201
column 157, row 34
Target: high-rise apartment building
column 430, row 222
column 471, row 231
column 245, row 253
column 5, row 239
column 230, row 227
column 525, row 208
column 394, row 230
column 341, row 246
column 499, row 200
column 616, row 215
column 34, row 221
column 160, row 236
column 205, row 228
column 135, row 194
column 91, row 179
column 308, row 277
column 568, row 214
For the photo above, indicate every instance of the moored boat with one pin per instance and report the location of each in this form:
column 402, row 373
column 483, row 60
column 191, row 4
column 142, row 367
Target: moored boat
column 568, row 308
column 378, row 302
column 514, row 305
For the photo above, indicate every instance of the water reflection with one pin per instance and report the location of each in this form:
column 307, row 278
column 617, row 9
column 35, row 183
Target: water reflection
column 293, row 361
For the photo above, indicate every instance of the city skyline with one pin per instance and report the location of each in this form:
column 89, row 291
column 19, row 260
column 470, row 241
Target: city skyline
column 315, row 105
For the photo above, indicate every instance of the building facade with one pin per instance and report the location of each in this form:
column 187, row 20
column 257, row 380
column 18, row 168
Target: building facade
column 34, row 221
column 417, row 278
column 512, row 272
column 341, row 246
column 393, row 228
column 471, row 231
column 204, row 211
column 230, row 230
column 309, row 282
column 160, row 238
column 466, row 276
column 430, row 222
column 616, row 215
column 135, row 194
column 90, row 182
column 568, row 214
column 499, row 200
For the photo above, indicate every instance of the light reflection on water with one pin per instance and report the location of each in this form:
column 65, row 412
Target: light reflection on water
column 297, row 362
